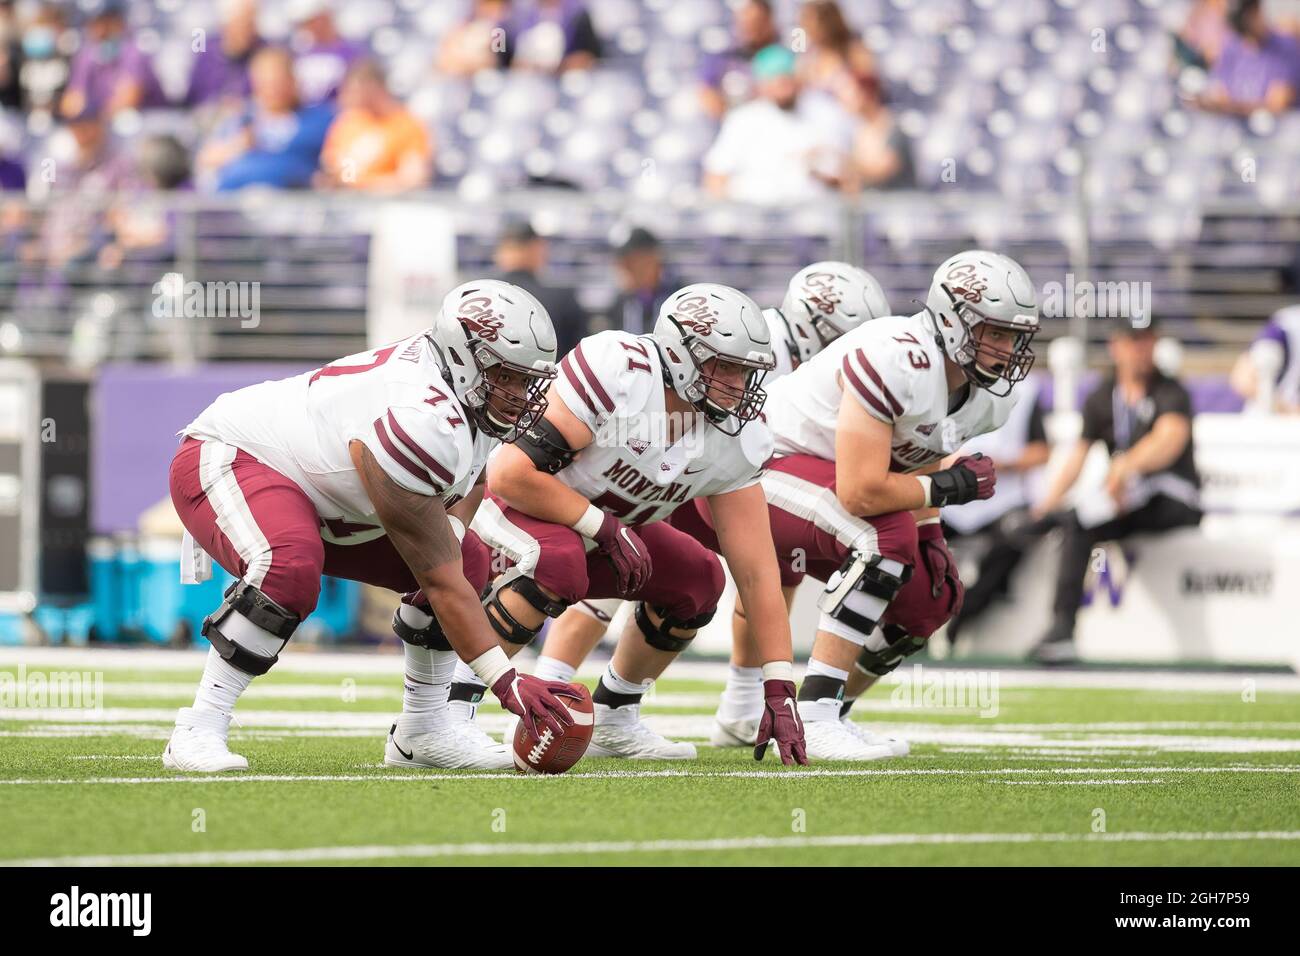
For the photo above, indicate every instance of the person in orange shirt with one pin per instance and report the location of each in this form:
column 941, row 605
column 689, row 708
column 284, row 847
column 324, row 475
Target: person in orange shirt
column 375, row 143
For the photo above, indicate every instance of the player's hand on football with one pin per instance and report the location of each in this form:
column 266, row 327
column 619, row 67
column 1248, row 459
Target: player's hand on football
column 627, row 551
column 781, row 722
column 535, row 701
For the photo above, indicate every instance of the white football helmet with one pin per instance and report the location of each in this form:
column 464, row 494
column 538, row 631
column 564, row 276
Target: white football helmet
column 488, row 324
column 975, row 288
column 706, row 321
column 827, row 299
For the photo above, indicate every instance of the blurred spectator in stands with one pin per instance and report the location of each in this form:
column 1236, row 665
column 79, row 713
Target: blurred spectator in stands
column 277, row 140
column 835, row 60
column 521, row 257
column 1002, row 523
column 643, row 282
column 1145, row 420
column 219, row 75
column 11, row 58
column 45, row 64
column 882, row 155
column 1276, row 347
column 481, row 42
column 110, row 72
column 144, row 232
column 778, row 148
column 1257, row 69
column 322, row 56
column 81, row 166
column 553, row 36
column 375, row 143
column 726, row 79
column 1203, row 34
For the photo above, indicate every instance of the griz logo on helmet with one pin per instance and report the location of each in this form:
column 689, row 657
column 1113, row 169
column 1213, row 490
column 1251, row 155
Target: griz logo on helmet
column 819, row 289
column 478, row 315
column 970, row 287
column 695, row 314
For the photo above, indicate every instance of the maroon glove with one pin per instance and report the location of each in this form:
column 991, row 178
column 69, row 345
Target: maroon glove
column 781, row 723
column 627, row 551
column 939, row 565
column 969, row 478
column 535, row 701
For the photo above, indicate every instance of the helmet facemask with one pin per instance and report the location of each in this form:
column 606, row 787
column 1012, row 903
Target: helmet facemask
column 499, row 410
column 985, row 364
column 746, row 402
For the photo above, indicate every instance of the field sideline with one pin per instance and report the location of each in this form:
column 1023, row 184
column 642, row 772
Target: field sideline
column 1008, row 767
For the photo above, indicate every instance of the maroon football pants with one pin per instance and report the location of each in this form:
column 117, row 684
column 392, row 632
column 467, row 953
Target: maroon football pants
column 261, row 527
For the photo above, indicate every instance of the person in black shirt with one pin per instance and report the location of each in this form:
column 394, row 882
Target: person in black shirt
column 645, row 283
column 1145, row 419
column 520, row 260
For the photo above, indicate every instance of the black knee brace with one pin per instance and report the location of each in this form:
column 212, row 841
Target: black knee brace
column 900, row 645
column 262, row 612
column 503, row 622
column 659, row 636
column 430, row 636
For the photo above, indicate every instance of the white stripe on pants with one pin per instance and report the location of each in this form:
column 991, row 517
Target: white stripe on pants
column 234, row 517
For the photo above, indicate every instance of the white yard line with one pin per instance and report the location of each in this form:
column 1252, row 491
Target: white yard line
column 444, row 850
column 388, row 662
column 507, row 776
column 1069, row 736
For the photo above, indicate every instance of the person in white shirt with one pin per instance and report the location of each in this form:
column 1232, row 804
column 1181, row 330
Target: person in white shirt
column 782, row 147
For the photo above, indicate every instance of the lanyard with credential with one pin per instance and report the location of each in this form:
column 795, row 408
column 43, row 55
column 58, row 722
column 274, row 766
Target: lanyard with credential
column 1122, row 420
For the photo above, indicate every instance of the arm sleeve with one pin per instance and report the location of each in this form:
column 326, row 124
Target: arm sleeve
column 873, row 374
column 417, row 448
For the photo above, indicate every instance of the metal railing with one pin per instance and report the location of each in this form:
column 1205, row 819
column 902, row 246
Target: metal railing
column 85, row 280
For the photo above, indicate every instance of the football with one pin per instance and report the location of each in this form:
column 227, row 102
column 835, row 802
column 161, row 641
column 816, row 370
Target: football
column 552, row 754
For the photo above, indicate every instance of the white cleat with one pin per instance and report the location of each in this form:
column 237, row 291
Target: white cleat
column 733, row 733
column 198, row 744
column 449, row 747
column 831, row 740
column 897, row 745
column 620, row 732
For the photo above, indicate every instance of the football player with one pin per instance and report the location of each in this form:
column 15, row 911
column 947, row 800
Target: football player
column 367, row 469
column 861, row 432
column 822, row 302
column 637, row 426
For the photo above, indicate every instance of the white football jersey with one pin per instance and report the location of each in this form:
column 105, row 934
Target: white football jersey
column 894, row 368
column 393, row 399
column 613, row 383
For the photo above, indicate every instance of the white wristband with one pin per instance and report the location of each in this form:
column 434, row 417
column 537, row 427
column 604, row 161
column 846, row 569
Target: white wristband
column 589, row 524
column 778, row 670
column 925, row 486
column 933, row 519
column 490, row 665
column 457, row 526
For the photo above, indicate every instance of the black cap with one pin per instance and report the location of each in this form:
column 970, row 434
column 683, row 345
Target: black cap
column 518, row 230
column 1135, row 326
column 636, row 240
